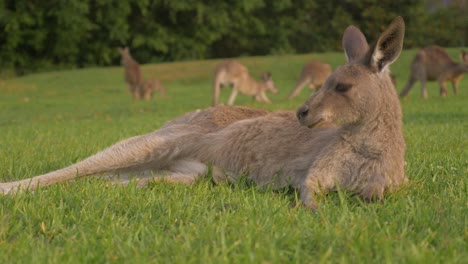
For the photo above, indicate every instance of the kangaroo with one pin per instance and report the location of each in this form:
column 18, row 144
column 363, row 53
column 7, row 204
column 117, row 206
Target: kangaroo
column 313, row 74
column 235, row 74
column 132, row 73
column 434, row 64
column 150, row 86
column 348, row 135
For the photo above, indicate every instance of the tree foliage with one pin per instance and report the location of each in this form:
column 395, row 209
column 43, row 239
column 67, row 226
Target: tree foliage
column 40, row 35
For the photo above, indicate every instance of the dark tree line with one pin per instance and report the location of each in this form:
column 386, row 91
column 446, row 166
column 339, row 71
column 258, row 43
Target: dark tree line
column 47, row 34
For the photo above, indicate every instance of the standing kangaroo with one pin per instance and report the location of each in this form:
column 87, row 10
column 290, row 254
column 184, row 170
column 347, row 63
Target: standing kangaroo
column 434, row 64
column 139, row 88
column 313, row 74
column 236, row 75
column 132, row 73
column 348, row 135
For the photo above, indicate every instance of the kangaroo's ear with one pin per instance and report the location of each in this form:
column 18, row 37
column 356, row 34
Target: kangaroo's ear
column 266, row 76
column 388, row 46
column 354, row 44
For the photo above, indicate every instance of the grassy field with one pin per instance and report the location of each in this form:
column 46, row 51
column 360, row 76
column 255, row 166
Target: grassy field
column 52, row 120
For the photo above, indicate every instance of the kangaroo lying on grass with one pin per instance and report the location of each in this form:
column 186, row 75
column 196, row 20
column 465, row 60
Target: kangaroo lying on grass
column 434, row 64
column 138, row 88
column 235, row 74
column 347, row 135
column 313, row 74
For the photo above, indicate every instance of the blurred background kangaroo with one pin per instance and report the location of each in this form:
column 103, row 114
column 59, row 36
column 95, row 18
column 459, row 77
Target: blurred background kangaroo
column 313, row 74
column 139, row 88
column 151, row 86
column 232, row 73
column 434, row 64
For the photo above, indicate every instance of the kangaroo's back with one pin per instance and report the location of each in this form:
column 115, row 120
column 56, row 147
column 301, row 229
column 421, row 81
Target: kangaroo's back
column 231, row 70
column 234, row 74
column 217, row 117
column 317, row 72
column 435, row 61
column 313, row 74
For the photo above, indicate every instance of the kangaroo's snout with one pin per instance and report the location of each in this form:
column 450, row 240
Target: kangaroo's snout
column 302, row 112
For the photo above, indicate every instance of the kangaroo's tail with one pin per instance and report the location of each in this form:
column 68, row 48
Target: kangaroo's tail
column 300, row 84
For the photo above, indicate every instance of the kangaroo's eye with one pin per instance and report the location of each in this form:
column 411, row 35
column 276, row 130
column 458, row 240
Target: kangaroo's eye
column 342, row 87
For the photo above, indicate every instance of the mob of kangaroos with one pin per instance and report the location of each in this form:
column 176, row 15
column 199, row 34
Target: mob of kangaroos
column 232, row 73
column 314, row 74
column 348, row 135
column 139, row 88
column 434, row 64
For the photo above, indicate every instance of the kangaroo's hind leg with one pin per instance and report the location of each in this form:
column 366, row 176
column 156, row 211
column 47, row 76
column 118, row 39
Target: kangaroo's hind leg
column 183, row 171
column 156, row 151
column 233, row 96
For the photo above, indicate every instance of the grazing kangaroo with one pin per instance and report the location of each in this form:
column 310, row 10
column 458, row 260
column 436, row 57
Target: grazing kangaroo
column 236, row 75
column 313, row 74
column 150, row 86
column 348, row 135
column 139, row 88
column 434, row 64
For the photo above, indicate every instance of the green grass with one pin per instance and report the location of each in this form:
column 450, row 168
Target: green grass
column 52, row 120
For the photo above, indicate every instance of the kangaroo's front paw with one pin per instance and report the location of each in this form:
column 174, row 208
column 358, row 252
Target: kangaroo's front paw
column 311, row 206
column 308, row 201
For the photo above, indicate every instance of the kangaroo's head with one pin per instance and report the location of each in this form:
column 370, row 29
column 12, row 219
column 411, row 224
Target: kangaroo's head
column 268, row 80
column 362, row 89
column 126, row 57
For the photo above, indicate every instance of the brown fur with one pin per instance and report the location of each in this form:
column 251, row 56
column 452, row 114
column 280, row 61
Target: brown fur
column 132, row 73
column 150, row 86
column 139, row 88
column 434, row 64
column 349, row 136
column 313, row 74
column 232, row 73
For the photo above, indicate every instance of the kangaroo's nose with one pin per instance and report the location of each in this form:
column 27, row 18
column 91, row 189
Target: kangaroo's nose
column 302, row 112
